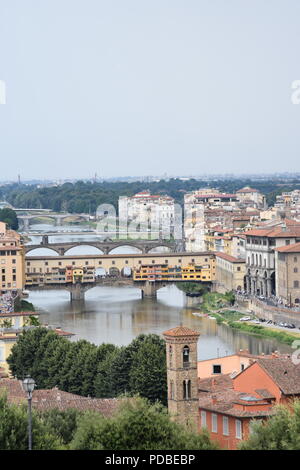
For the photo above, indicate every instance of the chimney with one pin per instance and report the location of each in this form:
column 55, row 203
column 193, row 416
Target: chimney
column 214, row 399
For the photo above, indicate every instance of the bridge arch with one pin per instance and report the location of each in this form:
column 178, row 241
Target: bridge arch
column 95, row 248
column 112, row 250
column 42, row 251
column 155, row 249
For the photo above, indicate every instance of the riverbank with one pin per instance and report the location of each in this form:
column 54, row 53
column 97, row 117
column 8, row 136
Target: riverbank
column 218, row 306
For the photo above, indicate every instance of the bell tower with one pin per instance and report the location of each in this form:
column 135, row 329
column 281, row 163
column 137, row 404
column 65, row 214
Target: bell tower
column 182, row 376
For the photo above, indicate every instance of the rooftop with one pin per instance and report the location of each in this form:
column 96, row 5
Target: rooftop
column 181, row 331
column 54, row 398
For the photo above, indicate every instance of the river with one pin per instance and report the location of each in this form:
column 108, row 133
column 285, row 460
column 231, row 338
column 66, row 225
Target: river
column 118, row 314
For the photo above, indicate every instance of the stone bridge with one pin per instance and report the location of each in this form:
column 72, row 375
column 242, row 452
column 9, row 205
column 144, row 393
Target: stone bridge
column 58, row 218
column 105, row 246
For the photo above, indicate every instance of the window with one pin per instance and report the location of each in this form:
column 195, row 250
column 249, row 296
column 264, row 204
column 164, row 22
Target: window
column 170, row 356
column 186, row 389
column 296, row 284
column 242, row 366
column 185, row 355
column 238, row 429
column 172, row 390
column 295, row 259
column 287, row 242
column 203, row 419
column 217, row 369
column 214, row 422
column 225, row 426
column 295, row 270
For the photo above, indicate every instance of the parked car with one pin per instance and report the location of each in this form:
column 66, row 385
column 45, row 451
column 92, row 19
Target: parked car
column 245, row 319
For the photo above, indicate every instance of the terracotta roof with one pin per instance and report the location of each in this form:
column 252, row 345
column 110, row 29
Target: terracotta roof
column 275, row 232
column 247, row 189
column 284, row 372
column 217, row 394
column 264, row 393
column 230, row 258
column 54, row 398
column 294, row 248
column 181, row 331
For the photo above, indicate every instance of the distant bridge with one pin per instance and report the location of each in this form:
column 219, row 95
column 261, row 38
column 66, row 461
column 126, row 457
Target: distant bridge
column 57, row 218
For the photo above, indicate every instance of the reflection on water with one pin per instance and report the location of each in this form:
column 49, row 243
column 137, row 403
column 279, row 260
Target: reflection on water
column 118, row 314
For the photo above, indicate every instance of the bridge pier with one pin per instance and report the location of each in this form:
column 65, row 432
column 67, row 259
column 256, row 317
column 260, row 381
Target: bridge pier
column 149, row 289
column 76, row 292
column 26, row 224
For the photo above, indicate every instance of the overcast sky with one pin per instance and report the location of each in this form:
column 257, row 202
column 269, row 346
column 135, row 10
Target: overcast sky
column 147, row 87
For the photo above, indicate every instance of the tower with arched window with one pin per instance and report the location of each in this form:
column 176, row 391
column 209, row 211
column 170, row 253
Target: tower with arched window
column 181, row 347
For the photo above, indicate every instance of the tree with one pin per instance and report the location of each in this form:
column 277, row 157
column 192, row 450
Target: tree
column 14, row 429
column 9, row 216
column 62, row 424
column 138, row 425
column 28, row 353
column 148, row 373
column 280, row 432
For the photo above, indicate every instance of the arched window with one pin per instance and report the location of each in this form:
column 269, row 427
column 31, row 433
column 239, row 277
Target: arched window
column 186, row 389
column 185, row 355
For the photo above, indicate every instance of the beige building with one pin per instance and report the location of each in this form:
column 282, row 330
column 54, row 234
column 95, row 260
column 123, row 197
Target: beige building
column 11, row 260
column 287, row 266
column 251, row 197
column 230, row 273
column 150, row 211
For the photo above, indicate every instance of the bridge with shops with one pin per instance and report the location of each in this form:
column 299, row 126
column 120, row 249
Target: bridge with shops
column 113, row 265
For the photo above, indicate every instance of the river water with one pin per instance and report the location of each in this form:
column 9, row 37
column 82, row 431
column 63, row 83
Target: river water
column 118, row 314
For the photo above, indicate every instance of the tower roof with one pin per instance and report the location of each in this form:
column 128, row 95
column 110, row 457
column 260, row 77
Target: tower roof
column 181, row 331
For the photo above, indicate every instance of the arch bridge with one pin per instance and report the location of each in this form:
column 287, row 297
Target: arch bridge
column 104, row 246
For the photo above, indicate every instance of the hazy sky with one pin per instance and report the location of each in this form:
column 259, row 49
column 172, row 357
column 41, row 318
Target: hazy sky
column 136, row 87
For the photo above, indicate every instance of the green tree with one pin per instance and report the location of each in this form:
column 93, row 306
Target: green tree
column 148, row 373
column 28, row 353
column 280, row 432
column 61, row 423
column 9, row 216
column 138, row 425
column 14, row 429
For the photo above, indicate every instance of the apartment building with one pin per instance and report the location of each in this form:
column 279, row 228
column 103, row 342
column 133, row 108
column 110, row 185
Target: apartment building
column 230, row 273
column 251, row 197
column 149, row 210
column 11, row 260
column 287, row 267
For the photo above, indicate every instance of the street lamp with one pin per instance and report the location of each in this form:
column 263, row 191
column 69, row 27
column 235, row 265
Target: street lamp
column 28, row 387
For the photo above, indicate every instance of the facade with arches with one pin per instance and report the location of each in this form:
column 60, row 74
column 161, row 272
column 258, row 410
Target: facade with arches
column 261, row 246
